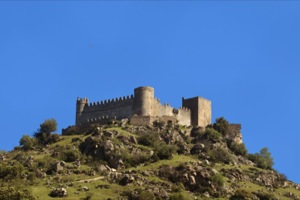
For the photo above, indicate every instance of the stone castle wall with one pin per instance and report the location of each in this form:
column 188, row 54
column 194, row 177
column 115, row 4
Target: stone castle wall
column 143, row 108
column 118, row 108
column 200, row 110
column 204, row 112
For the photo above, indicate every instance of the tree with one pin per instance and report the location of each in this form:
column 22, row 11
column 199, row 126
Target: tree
column 238, row 149
column 44, row 134
column 27, row 142
column 49, row 126
column 221, row 125
column 264, row 153
column 263, row 159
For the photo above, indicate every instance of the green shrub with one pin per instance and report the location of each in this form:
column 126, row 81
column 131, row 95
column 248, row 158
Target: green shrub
column 220, row 155
column 9, row 172
column 134, row 160
column 262, row 159
column 177, row 187
column 11, row 193
column 159, row 124
column 149, row 139
column 209, row 134
column 221, row 125
column 139, row 194
column 70, row 155
column 265, row 196
column 44, row 134
column 217, row 180
column 241, row 194
column 27, row 142
column 46, row 162
column 196, row 132
column 53, row 138
column 212, row 135
column 88, row 196
column 140, row 158
column 177, row 196
column 145, row 195
column 238, row 149
column 48, row 126
column 164, row 151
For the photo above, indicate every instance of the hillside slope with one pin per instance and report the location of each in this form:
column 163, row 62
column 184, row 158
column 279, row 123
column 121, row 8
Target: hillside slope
column 163, row 161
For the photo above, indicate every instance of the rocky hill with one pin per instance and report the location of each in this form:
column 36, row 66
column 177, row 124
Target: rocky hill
column 120, row 161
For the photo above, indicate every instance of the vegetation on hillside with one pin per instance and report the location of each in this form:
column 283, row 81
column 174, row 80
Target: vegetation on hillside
column 121, row 161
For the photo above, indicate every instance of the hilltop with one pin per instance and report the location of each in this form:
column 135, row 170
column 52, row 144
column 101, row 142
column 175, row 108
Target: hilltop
column 119, row 161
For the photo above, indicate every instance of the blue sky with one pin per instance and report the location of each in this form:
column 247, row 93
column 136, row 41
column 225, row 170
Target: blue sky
column 244, row 56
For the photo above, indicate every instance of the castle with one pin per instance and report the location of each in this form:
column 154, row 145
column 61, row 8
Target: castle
column 143, row 108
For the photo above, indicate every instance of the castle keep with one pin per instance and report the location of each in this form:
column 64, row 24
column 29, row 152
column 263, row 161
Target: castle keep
column 143, row 108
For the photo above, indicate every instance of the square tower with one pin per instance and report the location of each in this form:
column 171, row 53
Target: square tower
column 200, row 110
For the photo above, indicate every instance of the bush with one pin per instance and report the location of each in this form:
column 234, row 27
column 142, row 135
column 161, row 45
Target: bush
column 238, row 149
column 145, row 195
column 49, row 126
column 131, row 160
column 262, row 159
column 265, row 196
column 212, row 135
column 196, row 132
column 221, row 125
column 220, row 155
column 70, row 155
column 46, row 162
column 177, row 196
column 208, row 134
column 27, row 142
column 177, row 187
column 164, row 151
column 44, row 134
column 11, row 193
column 139, row 194
column 217, row 180
column 241, row 194
column 53, row 138
column 89, row 196
column 149, row 139
column 159, row 124
column 9, row 172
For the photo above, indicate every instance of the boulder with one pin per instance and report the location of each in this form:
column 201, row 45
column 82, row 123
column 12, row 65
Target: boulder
column 117, row 164
column 59, row 192
column 59, row 166
column 109, row 134
column 197, row 148
column 133, row 140
column 124, row 122
column 126, row 180
column 108, row 146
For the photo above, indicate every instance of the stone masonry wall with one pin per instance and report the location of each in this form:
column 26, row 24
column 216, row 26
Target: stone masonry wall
column 204, row 112
column 143, row 108
column 200, row 110
column 182, row 115
column 118, row 108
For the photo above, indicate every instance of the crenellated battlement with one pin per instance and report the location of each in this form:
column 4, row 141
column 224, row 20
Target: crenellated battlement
column 143, row 106
column 110, row 101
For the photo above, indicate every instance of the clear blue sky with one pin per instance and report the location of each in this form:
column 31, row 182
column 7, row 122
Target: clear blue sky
column 244, row 56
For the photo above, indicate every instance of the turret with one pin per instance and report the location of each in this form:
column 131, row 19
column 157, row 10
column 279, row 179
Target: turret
column 143, row 99
column 200, row 110
column 80, row 104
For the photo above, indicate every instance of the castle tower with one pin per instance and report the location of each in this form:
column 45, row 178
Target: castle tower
column 200, row 110
column 143, row 99
column 80, row 104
